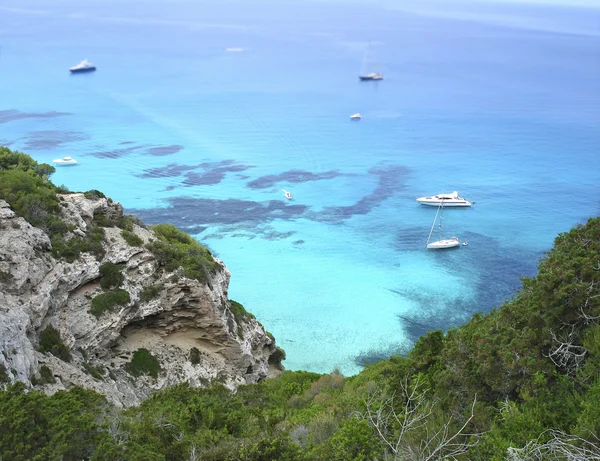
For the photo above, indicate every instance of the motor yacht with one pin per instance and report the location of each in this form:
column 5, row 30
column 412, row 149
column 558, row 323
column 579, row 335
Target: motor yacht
column 83, row 66
column 446, row 200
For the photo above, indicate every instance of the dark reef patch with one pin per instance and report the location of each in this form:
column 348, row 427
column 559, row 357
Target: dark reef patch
column 115, row 153
column 12, row 115
column 411, row 238
column 187, row 212
column 157, row 151
column 212, row 172
column 48, row 140
column 390, row 181
column 291, row 176
column 170, row 171
column 164, row 150
column 211, row 176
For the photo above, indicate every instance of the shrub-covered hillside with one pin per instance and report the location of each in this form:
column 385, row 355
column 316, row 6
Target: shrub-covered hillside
column 519, row 383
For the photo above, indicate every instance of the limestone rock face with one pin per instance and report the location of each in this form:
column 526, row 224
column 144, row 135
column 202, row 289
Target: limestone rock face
column 187, row 325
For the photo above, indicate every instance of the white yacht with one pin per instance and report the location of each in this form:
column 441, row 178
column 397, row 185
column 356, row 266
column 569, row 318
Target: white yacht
column 440, row 243
column 83, row 66
column 444, row 243
column 355, row 116
column 65, row 161
column 287, row 194
column 446, row 200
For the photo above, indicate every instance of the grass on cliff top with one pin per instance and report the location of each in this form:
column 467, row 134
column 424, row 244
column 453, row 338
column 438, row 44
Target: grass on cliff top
column 174, row 249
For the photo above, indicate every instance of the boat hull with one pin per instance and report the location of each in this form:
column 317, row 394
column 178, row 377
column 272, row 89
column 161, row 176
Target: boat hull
column 444, row 243
column 82, row 71
column 366, row 77
column 445, row 203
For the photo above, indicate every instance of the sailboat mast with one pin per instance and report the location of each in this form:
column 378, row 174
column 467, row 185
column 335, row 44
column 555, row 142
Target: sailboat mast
column 433, row 225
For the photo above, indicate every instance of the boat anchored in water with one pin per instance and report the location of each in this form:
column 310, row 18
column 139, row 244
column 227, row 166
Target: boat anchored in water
column 287, row 194
column 440, row 243
column 452, row 199
column 356, row 116
column 83, row 66
column 65, row 161
column 370, row 68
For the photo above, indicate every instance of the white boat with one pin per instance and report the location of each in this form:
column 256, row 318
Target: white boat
column 452, row 199
column 83, row 66
column 287, row 194
column 355, row 116
column 440, row 243
column 65, row 161
column 370, row 68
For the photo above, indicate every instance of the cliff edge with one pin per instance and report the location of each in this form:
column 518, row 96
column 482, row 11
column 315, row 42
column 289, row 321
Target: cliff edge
column 112, row 316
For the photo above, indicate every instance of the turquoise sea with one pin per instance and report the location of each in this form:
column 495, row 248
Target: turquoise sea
column 200, row 113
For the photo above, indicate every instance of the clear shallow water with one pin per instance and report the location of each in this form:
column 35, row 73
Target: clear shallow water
column 199, row 115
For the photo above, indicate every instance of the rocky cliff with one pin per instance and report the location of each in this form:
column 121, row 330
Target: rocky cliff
column 188, row 329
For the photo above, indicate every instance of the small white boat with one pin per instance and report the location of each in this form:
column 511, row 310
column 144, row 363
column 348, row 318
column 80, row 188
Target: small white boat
column 452, row 199
column 355, row 116
column 440, row 243
column 83, row 66
column 287, row 194
column 65, row 161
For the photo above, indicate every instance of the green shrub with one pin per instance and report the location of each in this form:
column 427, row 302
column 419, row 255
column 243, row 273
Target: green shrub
column 62, row 189
column 46, row 375
column 239, row 312
column 108, row 301
column 151, row 292
column 174, row 248
column 195, row 356
column 93, row 194
column 96, row 371
column 128, row 221
column 111, row 275
column 50, row 341
column 70, row 249
column 131, row 238
column 3, row 374
column 143, row 363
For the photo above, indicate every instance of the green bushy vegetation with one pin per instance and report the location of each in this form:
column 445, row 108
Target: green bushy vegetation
column 26, row 187
column 50, row 341
column 150, row 292
column 3, row 374
column 112, row 276
column 239, row 311
column 109, row 301
column 143, row 363
column 195, row 356
column 70, row 249
column 175, row 249
column 513, row 384
column 131, row 238
column 46, row 375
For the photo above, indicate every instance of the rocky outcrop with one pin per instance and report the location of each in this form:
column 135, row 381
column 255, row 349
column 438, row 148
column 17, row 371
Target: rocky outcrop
column 187, row 325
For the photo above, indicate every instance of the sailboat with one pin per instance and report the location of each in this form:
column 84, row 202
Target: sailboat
column 366, row 73
column 440, row 243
